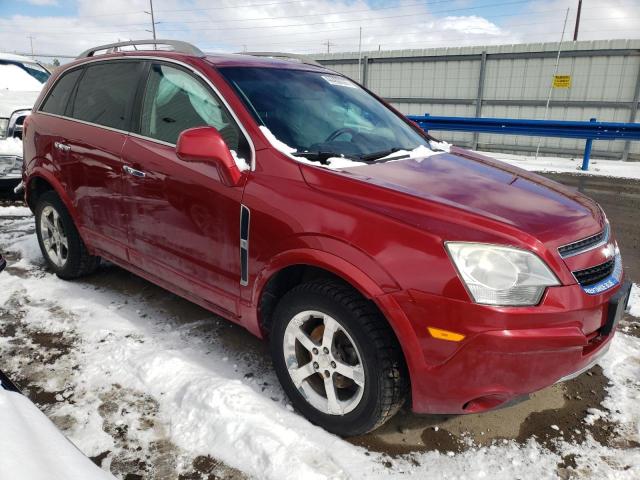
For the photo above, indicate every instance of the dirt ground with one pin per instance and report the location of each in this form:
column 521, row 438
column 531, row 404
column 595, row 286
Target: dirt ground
column 565, row 405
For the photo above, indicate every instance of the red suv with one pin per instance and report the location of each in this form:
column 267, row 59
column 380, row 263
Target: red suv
column 283, row 196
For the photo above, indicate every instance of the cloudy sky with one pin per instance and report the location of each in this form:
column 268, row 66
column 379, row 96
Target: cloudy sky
column 305, row 26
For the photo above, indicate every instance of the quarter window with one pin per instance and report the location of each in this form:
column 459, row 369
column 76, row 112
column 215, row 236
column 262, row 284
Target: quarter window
column 106, row 93
column 176, row 101
column 57, row 100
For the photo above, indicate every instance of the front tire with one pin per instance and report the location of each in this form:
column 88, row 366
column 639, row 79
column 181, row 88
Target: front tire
column 337, row 358
column 60, row 243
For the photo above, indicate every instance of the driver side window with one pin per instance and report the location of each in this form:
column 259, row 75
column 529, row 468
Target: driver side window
column 175, row 101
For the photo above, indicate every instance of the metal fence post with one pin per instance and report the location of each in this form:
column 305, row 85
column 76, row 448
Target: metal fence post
column 365, row 71
column 632, row 116
column 587, row 151
column 483, row 69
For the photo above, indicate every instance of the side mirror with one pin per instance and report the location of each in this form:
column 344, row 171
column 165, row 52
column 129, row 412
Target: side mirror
column 205, row 144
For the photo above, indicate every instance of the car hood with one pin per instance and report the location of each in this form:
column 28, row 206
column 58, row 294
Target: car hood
column 11, row 100
column 491, row 189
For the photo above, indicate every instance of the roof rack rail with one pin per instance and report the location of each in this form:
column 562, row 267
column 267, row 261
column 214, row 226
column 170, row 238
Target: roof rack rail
column 178, row 46
column 284, row 56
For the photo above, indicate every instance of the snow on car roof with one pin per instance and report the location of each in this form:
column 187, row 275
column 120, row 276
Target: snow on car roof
column 15, row 58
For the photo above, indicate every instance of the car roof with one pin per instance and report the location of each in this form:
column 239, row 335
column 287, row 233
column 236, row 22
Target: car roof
column 248, row 60
column 220, row 60
column 15, row 58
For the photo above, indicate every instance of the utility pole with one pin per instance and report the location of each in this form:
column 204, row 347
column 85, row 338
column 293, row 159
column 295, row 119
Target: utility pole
column 31, row 41
column 329, row 44
column 575, row 32
column 153, row 20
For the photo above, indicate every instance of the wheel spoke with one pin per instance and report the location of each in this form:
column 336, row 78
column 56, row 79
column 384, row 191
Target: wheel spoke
column 49, row 225
column 353, row 372
column 330, row 329
column 299, row 375
column 333, row 405
column 304, row 339
column 63, row 241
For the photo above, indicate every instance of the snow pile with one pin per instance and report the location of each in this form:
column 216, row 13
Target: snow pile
column 277, row 144
column 11, row 146
column 240, row 162
column 33, row 449
column 442, row 146
column 603, row 168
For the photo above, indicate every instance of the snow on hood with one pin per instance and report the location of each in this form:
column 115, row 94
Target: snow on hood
column 37, row 450
column 337, row 163
column 10, row 101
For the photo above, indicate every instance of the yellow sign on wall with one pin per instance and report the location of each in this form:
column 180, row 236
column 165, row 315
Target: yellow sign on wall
column 562, row 81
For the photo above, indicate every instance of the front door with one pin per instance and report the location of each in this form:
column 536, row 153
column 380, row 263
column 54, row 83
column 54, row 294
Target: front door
column 183, row 221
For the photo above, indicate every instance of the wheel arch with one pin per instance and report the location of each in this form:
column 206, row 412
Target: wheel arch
column 287, row 270
column 42, row 180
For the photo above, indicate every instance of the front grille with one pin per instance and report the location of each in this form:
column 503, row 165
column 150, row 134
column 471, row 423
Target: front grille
column 593, row 275
column 585, row 244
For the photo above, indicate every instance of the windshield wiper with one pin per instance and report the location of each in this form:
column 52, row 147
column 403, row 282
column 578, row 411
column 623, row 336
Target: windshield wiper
column 372, row 157
column 321, row 157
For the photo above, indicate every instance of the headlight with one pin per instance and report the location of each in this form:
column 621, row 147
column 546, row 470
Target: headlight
column 4, row 124
column 496, row 275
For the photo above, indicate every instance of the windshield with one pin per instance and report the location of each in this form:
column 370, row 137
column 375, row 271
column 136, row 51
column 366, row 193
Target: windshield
column 22, row 76
column 321, row 113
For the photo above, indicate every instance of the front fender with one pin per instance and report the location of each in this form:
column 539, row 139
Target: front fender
column 362, row 272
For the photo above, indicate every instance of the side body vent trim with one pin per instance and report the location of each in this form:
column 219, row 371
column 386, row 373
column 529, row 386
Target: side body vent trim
column 245, row 219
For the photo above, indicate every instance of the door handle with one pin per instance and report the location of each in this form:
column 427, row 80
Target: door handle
column 133, row 171
column 63, row 147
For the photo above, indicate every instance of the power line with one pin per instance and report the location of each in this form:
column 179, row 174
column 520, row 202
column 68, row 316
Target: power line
column 271, row 35
column 93, row 28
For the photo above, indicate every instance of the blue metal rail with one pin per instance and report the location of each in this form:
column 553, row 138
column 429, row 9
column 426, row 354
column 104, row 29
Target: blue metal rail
column 589, row 131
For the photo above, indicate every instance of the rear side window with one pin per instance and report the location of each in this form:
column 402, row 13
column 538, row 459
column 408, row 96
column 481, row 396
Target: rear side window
column 105, row 94
column 175, row 101
column 59, row 96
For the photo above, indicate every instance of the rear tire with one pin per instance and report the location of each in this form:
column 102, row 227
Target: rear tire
column 363, row 347
column 60, row 243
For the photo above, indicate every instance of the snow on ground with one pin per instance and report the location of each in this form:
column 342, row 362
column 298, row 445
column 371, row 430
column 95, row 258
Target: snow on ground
column 604, row 168
column 188, row 393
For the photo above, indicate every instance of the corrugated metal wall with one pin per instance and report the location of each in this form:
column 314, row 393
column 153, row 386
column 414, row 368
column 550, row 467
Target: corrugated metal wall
column 509, row 81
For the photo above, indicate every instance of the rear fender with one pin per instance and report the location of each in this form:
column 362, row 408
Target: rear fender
column 43, row 171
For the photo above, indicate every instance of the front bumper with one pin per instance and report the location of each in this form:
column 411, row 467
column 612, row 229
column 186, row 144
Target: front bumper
column 10, row 171
column 507, row 352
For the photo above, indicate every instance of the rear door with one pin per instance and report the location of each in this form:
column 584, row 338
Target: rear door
column 100, row 116
column 184, row 223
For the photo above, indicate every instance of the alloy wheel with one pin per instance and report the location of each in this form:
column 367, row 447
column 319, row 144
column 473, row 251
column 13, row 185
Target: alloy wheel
column 54, row 238
column 323, row 362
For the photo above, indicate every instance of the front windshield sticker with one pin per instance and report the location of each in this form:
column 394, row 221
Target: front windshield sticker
column 339, row 81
